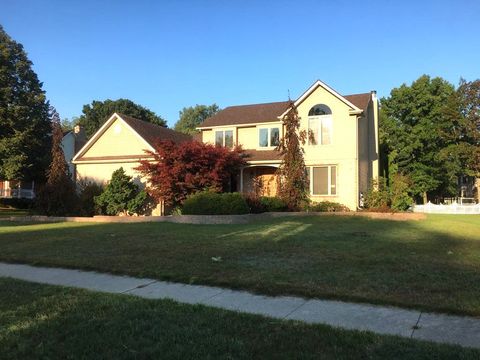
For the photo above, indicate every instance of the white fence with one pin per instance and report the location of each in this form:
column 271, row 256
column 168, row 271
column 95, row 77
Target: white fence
column 17, row 193
column 453, row 208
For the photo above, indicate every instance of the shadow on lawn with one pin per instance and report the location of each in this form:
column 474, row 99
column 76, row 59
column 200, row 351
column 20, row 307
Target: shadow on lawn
column 424, row 264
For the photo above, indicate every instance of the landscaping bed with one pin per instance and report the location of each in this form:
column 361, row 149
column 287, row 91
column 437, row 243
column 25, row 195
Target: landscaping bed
column 40, row 321
column 432, row 264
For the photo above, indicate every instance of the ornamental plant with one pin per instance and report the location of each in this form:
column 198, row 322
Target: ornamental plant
column 57, row 197
column 293, row 184
column 121, row 195
column 179, row 170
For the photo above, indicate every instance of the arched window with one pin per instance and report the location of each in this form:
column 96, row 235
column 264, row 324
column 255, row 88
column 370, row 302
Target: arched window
column 320, row 125
column 320, row 109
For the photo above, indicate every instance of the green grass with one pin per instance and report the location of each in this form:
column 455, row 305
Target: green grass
column 432, row 264
column 39, row 321
column 7, row 212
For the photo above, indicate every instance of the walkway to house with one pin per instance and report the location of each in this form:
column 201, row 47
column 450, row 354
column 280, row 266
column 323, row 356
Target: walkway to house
column 464, row 331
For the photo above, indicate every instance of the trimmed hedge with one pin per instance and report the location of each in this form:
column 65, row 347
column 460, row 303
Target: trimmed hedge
column 260, row 204
column 327, row 206
column 273, row 204
column 210, row 203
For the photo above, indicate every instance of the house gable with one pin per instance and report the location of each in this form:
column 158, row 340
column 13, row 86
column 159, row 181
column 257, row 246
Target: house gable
column 323, row 88
column 116, row 140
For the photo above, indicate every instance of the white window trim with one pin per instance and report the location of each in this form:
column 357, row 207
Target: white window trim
column 222, row 130
column 269, row 128
column 329, row 183
column 319, row 118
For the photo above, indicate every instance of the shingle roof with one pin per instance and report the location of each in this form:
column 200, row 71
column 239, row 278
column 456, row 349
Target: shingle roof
column 268, row 112
column 263, row 155
column 152, row 132
column 359, row 100
column 247, row 114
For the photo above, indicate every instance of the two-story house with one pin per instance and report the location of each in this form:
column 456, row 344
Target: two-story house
column 341, row 157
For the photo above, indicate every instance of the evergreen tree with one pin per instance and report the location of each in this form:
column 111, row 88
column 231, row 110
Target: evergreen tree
column 58, row 196
column 24, row 123
column 293, row 183
column 95, row 114
column 121, row 195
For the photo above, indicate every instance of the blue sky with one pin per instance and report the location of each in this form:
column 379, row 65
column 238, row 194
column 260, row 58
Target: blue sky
column 169, row 54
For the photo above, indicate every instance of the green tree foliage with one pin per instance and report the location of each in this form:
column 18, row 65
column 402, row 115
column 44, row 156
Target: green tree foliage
column 293, row 184
column 87, row 191
column 69, row 124
column 121, row 195
column 95, row 114
column 191, row 117
column 57, row 197
column 25, row 133
column 393, row 197
column 413, row 124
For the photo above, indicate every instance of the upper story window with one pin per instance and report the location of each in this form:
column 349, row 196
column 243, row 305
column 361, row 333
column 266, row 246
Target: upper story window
column 268, row 137
column 224, row 138
column 320, row 125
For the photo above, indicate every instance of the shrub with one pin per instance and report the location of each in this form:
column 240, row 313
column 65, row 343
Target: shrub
column 327, row 206
column 16, row 203
column 259, row 204
column 88, row 190
column 254, row 204
column 377, row 195
column 273, row 203
column 383, row 198
column 211, row 203
column 400, row 192
column 121, row 195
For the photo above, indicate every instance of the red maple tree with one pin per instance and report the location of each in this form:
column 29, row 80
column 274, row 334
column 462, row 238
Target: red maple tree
column 178, row 170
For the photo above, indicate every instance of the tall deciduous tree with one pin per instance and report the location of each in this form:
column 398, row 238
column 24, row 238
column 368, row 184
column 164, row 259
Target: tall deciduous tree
column 191, row 117
column 24, row 122
column 95, row 114
column 412, row 124
column 58, row 196
column 293, row 184
column 178, row 170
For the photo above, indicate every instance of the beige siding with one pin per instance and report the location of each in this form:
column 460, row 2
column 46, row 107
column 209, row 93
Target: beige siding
column 342, row 151
column 248, row 137
column 117, row 140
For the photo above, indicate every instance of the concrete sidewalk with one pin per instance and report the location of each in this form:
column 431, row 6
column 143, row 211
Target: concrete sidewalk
column 464, row 331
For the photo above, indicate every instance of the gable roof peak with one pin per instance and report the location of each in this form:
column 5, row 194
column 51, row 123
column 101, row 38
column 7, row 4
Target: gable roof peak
column 148, row 132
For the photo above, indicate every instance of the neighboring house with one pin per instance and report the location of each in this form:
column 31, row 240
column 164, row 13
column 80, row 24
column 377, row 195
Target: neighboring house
column 121, row 142
column 341, row 160
column 72, row 142
column 468, row 189
column 17, row 189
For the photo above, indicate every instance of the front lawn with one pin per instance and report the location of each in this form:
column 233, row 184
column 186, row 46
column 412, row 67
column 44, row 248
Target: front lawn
column 432, row 264
column 7, row 212
column 39, row 321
